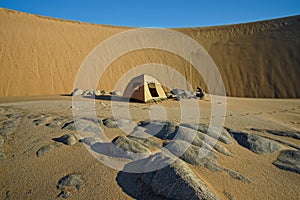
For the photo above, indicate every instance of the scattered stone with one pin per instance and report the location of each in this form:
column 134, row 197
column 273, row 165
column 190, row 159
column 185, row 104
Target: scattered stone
column 115, row 93
column 67, row 139
column 68, row 184
column 97, row 92
column 193, row 155
column 200, row 93
column 127, row 148
column 228, row 195
column 33, row 116
column 115, row 123
column 175, row 181
column 146, row 142
column 294, row 135
column 237, row 175
column 2, row 154
column 218, row 133
column 56, row 122
column 64, row 194
column 77, row 92
column 110, row 123
column 82, row 125
column 200, row 139
column 256, row 143
column 88, row 92
column 1, row 141
column 183, row 94
column 8, row 127
column 289, row 160
column 44, row 150
column 163, row 130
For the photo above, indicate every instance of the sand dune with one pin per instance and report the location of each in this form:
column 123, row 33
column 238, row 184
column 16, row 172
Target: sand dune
column 41, row 56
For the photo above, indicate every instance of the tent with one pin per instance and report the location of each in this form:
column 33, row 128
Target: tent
column 144, row 88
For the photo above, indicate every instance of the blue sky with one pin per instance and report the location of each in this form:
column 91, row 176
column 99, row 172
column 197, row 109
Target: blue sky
column 158, row 13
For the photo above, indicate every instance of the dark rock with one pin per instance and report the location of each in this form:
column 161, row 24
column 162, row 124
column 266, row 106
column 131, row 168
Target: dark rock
column 88, row 93
column 110, row 123
column 289, row 160
column 8, row 127
column 67, row 139
column 175, row 181
column 193, row 154
column 146, row 142
column 285, row 133
column 70, row 182
column 44, row 150
column 127, row 148
column 115, row 123
column 200, row 139
column 183, row 94
column 90, row 140
column 64, row 194
column 56, row 122
column 1, row 141
column 115, row 93
column 160, row 129
column 2, row 154
column 77, row 92
column 214, row 132
column 256, row 143
column 228, row 195
column 237, row 175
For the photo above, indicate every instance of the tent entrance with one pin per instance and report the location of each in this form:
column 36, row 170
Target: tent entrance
column 153, row 90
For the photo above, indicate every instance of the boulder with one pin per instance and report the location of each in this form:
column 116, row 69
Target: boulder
column 67, row 139
column 160, row 129
column 146, row 142
column 44, row 150
column 200, row 139
column 192, row 154
column 77, row 92
column 127, row 148
column 68, row 184
column 115, row 93
column 115, row 123
column 97, row 92
column 1, row 141
column 214, row 132
column 183, row 94
column 174, row 181
column 89, row 92
column 256, row 143
column 289, row 160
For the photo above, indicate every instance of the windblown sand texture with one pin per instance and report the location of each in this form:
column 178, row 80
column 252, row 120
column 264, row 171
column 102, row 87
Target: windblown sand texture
column 41, row 56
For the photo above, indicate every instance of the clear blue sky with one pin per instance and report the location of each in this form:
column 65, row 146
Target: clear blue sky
column 158, row 13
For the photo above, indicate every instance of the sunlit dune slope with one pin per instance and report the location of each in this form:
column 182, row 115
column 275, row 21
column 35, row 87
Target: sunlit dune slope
column 41, row 56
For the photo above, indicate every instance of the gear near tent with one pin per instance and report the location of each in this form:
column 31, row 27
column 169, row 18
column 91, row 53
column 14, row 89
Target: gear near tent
column 144, row 88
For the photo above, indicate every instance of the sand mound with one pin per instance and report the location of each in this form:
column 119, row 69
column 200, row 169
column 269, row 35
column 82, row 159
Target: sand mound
column 41, row 56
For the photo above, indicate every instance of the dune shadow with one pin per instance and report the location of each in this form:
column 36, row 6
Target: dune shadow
column 65, row 95
column 113, row 98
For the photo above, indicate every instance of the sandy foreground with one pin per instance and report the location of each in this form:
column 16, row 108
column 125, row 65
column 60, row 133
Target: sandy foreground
column 24, row 175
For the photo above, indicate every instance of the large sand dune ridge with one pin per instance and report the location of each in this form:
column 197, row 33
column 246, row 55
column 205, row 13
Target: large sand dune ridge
column 41, row 56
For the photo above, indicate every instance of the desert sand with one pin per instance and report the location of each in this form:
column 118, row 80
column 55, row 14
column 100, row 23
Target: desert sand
column 26, row 176
column 41, row 56
column 45, row 154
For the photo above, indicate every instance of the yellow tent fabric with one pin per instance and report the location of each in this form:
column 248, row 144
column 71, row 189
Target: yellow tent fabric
column 144, row 88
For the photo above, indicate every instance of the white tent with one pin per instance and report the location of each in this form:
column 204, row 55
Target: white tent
column 144, row 88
